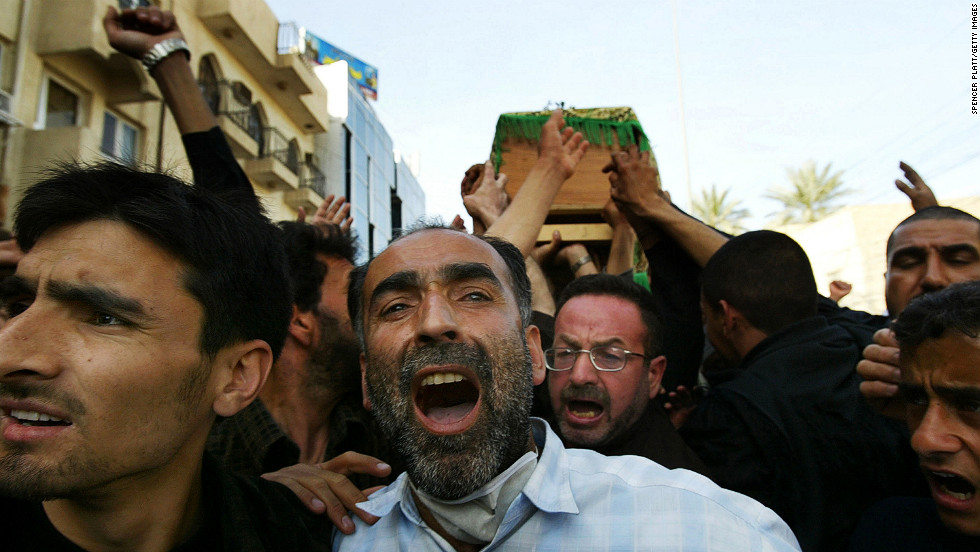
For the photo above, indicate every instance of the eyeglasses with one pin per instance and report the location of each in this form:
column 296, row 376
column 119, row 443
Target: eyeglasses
column 605, row 358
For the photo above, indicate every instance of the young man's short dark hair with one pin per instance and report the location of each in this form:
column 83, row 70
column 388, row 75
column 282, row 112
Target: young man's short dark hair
column 766, row 276
column 234, row 255
column 306, row 273
column 935, row 212
column 929, row 316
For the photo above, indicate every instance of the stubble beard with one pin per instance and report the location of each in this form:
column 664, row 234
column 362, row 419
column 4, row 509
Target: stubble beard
column 452, row 466
column 333, row 367
column 26, row 475
column 617, row 429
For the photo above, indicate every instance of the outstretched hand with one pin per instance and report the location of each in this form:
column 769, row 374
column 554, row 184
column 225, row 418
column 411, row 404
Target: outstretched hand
column 331, row 211
column 557, row 253
column 839, row 289
column 134, row 32
column 325, row 488
column 560, row 147
column 633, row 182
column 681, row 402
column 918, row 191
column 882, row 373
column 485, row 198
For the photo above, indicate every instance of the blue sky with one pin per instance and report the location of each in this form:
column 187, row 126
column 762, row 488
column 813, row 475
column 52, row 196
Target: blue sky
column 768, row 85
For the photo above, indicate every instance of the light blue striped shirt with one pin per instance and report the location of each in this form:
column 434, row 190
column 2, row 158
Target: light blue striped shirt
column 581, row 500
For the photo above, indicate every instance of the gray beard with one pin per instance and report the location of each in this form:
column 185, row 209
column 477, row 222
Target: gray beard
column 452, row 466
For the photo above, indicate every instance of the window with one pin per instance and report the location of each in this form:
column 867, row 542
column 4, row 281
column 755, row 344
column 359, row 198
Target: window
column 119, row 139
column 61, row 106
column 208, row 81
column 132, row 4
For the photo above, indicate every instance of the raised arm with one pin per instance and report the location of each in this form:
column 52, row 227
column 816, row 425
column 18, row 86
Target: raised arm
column 621, row 245
column 559, row 152
column 918, row 191
column 135, row 33
column 484, row 196
column 634, row 188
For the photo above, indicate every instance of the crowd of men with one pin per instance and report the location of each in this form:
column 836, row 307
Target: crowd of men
column 179, row 373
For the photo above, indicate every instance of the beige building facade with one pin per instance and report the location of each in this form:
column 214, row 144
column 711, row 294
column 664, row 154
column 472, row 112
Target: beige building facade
column 850, row 245
column 66, row 95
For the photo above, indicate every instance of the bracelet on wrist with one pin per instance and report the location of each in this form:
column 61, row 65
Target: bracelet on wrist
column 161, row 50
column 580, row 263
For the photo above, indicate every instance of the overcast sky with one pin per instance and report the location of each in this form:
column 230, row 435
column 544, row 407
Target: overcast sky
column 767, row 85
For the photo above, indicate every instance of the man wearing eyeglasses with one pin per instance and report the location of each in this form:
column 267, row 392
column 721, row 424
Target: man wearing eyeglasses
column 606, row 365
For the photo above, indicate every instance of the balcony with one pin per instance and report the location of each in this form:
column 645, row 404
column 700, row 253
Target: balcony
column 72, row 31
column 236, row 119
column 277, row 165
column 249, row 30
column 312, row 188
column 45, row 146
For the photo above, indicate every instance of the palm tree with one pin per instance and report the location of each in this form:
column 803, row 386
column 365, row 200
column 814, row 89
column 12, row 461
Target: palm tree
column 719, row 211
column 811, row 196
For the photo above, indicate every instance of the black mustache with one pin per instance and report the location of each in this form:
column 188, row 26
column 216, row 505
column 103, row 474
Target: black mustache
column 44, row 393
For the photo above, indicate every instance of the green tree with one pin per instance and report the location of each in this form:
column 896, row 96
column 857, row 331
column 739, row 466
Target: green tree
column 811, row 196
column 719, row 211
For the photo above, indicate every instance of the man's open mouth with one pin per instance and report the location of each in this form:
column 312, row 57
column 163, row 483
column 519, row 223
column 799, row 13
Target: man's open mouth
column 583, row 411
column 951, row 485
column 446, row 401
column 31, row 418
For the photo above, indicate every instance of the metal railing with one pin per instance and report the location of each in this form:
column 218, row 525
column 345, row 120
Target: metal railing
column 313, row 178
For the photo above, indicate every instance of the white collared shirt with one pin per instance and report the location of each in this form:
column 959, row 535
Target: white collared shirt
column 581, row 500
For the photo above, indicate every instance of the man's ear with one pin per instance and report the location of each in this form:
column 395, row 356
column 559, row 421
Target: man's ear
column 533, row 336
column 365, row 398
column 303, row 326
column 241, row 370
column 656, row 368
column 729, row 317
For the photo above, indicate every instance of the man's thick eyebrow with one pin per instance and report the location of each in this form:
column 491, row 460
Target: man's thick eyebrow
column 616, row 341
column 17, row 285
column 909, row 250
column 469, row 271
column 955, row 248
column 399, row 281
column 961, row 393
column 410, row 279
column 97, row 298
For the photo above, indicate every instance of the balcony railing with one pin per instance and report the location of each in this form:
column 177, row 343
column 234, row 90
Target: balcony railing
column 275, row 144
column 313, row 178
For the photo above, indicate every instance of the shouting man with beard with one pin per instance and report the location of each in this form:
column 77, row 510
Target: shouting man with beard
column 448, row 365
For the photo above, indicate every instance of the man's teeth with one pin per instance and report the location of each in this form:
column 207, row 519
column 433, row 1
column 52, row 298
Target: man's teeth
column 956, row 495
column 28, row 416
column 439, row 378
column 961, row 489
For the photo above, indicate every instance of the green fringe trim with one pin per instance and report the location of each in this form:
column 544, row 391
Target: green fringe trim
column 626, row 129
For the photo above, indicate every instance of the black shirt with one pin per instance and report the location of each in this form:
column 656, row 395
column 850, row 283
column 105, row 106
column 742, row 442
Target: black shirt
column 240, row 515
column 252, row 443
column 906, row 524
column 793, row 432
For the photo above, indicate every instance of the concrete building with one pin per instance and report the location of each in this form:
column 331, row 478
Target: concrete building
column 850, row 244
column 66, row 95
